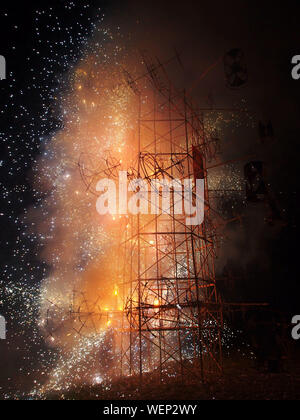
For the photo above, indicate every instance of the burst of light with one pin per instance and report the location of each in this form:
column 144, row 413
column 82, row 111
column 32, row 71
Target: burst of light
column 65, row 222
column 98, row 380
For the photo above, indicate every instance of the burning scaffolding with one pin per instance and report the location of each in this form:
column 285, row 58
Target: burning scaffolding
column 159, row 302
column 172, row 311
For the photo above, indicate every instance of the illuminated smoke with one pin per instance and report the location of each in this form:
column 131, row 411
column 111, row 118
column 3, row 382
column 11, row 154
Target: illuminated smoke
column 98, row 119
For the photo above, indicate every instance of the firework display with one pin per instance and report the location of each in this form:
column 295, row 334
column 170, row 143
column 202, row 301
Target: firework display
column 110, row 302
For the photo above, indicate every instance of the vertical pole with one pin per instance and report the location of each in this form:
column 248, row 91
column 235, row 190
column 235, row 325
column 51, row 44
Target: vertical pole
column 157, row 256
column 174, row 253
column 131, row 308
column 193, row 250
column 139, row 253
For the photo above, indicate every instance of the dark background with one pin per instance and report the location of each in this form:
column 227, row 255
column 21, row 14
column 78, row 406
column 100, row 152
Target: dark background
column 269, row 35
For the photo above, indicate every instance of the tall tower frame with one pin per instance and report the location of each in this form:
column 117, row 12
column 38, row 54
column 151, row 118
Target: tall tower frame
column 172, row 311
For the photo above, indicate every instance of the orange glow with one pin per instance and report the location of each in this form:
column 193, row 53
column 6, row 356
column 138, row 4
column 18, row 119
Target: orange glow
column 156, row 302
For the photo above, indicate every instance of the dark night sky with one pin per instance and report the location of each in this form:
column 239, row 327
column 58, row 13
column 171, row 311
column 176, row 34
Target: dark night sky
column 202, row 31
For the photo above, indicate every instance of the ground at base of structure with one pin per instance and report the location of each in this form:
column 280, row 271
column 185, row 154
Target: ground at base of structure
column 242, row 380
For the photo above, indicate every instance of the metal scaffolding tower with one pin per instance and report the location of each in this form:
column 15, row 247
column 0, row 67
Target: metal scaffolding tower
column 172, row 311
